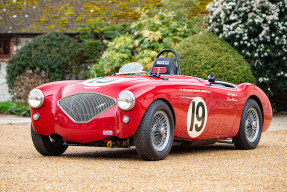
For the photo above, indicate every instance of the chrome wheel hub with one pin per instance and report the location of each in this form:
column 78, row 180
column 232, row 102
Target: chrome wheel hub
column 160, row 130
column 252, row 124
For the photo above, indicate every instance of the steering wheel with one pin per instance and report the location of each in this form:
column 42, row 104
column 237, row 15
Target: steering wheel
column 177, row 59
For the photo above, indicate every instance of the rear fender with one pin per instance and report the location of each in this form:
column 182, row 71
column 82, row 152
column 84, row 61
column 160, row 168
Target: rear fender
column 250, row 91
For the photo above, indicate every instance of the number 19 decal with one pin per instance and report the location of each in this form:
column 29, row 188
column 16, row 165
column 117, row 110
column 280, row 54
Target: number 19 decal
column 196, row 117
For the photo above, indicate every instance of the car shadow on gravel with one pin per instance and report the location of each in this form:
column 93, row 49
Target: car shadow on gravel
column 131, row 154
column 201, row 149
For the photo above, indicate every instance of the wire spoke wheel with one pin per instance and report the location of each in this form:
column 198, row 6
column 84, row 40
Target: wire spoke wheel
column 250, row 129
column 160, row 130
column 154, row 136
column 252, row 124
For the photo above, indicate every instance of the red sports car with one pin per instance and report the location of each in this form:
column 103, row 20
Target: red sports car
column 148, row 110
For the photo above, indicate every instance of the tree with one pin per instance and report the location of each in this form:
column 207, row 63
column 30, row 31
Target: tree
column 258, row 30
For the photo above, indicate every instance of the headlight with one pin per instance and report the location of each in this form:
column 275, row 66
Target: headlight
column 126, row 100
column 36, row 98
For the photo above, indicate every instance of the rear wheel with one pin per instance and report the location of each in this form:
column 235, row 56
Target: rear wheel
column 250, row 126
column 154, row 137
column 48, row 145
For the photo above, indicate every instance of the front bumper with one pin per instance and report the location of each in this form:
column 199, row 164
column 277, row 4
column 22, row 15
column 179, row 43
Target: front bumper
column 61, row 124
column 110, row 123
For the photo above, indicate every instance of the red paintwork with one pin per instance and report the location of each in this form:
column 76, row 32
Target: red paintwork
column 223, row 113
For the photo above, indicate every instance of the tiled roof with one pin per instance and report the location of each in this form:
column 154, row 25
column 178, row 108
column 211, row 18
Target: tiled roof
column 41, row 16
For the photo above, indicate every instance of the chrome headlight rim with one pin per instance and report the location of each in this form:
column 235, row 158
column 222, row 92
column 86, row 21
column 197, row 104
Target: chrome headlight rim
column 40, row 98
column 131, row 103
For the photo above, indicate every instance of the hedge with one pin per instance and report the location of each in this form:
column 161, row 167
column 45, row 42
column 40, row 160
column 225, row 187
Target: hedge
column 204, row 54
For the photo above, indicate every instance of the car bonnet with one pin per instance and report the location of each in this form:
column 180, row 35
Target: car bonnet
column 110, row 86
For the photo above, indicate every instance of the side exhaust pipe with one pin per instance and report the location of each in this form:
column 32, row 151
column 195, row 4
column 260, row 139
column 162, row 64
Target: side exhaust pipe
column 228, row 141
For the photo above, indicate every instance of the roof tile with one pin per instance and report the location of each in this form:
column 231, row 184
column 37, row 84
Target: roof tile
column 41, row 16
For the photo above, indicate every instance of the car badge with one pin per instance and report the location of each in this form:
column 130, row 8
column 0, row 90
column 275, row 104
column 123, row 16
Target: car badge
column 162, row 62
column 101, row 105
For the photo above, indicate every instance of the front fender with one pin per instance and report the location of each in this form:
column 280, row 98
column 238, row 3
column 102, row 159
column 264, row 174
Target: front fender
column 52, row 92
column 145, row 94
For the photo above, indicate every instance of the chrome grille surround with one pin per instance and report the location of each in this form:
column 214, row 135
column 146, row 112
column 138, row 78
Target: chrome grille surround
column 84, row 107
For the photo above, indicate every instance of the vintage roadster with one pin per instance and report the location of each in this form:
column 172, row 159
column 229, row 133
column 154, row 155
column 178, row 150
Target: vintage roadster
column 150, row 111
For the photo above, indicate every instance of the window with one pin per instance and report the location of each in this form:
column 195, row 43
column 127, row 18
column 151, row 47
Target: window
column 4, row 47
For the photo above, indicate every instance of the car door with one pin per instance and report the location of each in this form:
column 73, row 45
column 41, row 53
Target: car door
column 222, row 110
column 191, row 109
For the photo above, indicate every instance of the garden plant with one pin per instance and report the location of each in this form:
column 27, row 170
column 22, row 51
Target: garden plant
column 46, row 58
column 204, row 54
column 258, row 30
column 147, row 36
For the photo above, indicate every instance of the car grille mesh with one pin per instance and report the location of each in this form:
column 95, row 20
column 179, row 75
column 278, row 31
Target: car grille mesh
column 84, row 107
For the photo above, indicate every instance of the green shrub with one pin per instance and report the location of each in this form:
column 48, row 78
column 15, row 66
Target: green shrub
column 119, row 52
column 148, row 36
column 54, row 55
column 258, row 30
column 95, row 36
column 204, row 54
column 15, row 108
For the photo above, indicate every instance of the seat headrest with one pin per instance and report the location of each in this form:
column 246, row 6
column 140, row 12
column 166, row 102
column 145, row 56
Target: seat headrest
column 164, row 66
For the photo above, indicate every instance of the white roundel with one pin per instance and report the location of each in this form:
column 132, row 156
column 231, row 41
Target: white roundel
column 196, row 117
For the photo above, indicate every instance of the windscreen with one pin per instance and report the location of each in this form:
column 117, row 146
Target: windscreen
column 133, row 67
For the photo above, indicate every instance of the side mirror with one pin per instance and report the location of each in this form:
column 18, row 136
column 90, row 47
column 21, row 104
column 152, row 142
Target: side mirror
column 211, row 78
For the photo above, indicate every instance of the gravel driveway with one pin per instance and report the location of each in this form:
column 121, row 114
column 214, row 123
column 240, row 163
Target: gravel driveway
column 218, row 167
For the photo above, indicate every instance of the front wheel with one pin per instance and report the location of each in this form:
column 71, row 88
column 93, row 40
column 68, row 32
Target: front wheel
column 154, row 137
column 48, row 145
column 250, row 126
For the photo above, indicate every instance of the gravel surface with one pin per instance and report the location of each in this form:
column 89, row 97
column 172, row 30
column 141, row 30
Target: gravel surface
column 278, row 123
column 218, row 167
column 13, row 119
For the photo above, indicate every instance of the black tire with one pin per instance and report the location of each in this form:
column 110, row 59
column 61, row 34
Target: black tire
column 245, row 138
column 48, row 145
column 146, row 134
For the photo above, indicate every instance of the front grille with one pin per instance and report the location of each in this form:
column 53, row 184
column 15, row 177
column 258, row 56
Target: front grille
column 83, row 107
